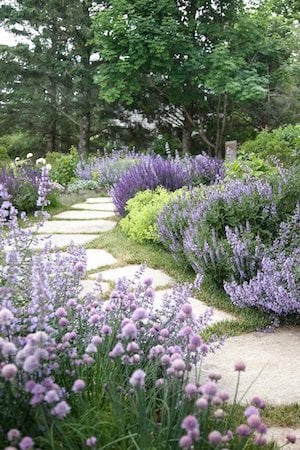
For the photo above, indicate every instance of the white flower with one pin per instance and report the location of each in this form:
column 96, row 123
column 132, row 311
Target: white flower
column 17, row 159
column 29, row 155
column 40, row 161
column 48, row 166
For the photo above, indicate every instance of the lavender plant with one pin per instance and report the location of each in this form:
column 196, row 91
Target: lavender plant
column 106, row 169
column 78, row 373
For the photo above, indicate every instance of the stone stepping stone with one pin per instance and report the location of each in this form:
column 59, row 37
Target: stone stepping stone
column 198, row 307
column 63, row 240
column 99, row 200
column 276, row 355
column 90, row 285
column 278, row 434
column 159, row 278
column 95, row 206
column 76, row 227
column 83, row 215
column 98, row 258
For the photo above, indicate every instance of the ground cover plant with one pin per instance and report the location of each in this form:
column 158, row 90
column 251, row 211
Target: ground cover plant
column 85, row 373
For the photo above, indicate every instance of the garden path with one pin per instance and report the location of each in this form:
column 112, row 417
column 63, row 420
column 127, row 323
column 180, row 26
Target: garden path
column 272, row 359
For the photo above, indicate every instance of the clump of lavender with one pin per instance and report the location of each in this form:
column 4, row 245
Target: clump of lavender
column 275, row 285
column 106, row 169
column 151, row 172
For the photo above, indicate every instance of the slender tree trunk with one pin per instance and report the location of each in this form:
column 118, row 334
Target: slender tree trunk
column 52, row 127
column 84, row 134
column 186, row 143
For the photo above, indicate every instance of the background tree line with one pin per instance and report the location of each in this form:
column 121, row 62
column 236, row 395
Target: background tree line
column 200, row 71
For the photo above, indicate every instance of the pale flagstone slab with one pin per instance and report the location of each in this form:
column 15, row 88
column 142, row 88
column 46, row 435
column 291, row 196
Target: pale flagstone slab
column 99, row 200
column 159, row 278
column 76, row 227
column 278, row 434
column 89, row 286
column 199, row 307
column 83, row 215
column 276, row 355
column 63, row 240
column 99, row 258
column 95, row 206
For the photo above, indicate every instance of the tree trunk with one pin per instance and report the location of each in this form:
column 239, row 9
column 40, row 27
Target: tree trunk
column 84, row 135
column 186, row 143
column 52, row 127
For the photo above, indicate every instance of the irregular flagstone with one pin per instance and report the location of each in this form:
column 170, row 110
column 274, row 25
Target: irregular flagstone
column 83, row 215
column 63, row 240
column 278, row 434
column 76, row 227
column 276, row 355
column 159, row 278
column 89, row 286
column 98, row 258
column 99, row 200
column 198, row 307
column 95, row 206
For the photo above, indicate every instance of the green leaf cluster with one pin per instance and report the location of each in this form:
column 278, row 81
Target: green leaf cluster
column 140, row 223
column 63, row 166
column 283, row 143
column 250, row 165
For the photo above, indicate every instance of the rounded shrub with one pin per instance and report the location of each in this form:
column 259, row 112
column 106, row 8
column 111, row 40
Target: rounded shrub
column 140, row 223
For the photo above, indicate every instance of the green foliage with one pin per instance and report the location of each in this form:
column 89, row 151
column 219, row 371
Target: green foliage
column 4, row 158
column 78, row 185
column 250, row 165
column 26, row 197
column 19, row 144
column 63, row 166
column 140, row 224
column 283, row 143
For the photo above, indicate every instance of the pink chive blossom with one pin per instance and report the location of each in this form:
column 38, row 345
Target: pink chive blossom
column 258, row 402
column 63, row 322
column 78, row 386
column 185, row 442
column 13, row 434
column 31, row 364
column 61, row 410
column 243, row 430
column 106, row 329
column 291, row 438
column 137, row 378
column 185, row 331
column 96, row 340
column 118, row 350
column 129, row 331
column 51, row 396
column 224, row 396
column 260, row 440
column 214, row 376
column 187, row 309
column 251, row 410
column 239, row 366
column 178, row 364
column 139, row 314
column 26, row 443
column 253, row 421
column 219, row 414
column 6, row 317
column 8, row 349
column 148, row 281
column 90, row 442
column 190, row 423
column 196, row 340
column 209, row 388
column 61, row 312
column 79, row 267
column 190, row 389
column 215, row 437
column 202, row 403
column 9, row 371
column 91, row 348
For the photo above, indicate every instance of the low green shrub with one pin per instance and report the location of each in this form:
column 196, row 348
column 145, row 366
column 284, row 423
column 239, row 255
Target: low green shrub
column 250, row 165
column 63, row 165
column 283, row 143
column 4, row 158
column 140, row 224
column 77, row 185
